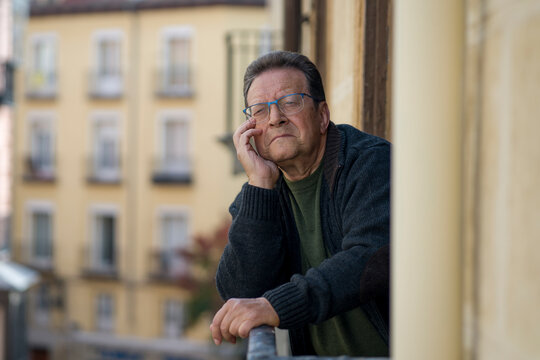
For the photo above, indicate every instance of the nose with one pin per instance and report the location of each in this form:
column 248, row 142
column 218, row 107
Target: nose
column 275, row 117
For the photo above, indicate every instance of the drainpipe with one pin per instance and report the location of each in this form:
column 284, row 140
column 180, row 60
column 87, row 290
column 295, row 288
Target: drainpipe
column 426, row 172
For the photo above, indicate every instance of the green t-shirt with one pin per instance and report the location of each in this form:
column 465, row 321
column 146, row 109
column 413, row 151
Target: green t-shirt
column 350, row 333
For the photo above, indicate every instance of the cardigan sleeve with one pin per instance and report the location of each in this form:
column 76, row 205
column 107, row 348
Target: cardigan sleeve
column 253, row 257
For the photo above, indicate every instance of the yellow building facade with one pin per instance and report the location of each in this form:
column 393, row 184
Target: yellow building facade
column 117, row 165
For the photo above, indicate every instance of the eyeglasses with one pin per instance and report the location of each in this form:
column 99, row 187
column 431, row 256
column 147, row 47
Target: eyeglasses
column 288, row 105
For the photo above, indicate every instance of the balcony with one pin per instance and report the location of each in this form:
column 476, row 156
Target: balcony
column 172, row 170
column 100, row 264
column 103, row 171
column 41, row 85
column 105, row 85
column 174, row 82
column 39, row 168
column 39, row 257
column 167, row 265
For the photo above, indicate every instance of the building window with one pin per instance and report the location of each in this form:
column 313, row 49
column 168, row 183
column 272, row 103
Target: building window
column 105, row 159
column 173, row 238
column 40, row 161
column 102, row 250
column 106, row 78
column 175, row 78
column 42, row 305
column 41, row 81
column 104, row 313
column 173, row 319
column 173, row 164
column 40, row 231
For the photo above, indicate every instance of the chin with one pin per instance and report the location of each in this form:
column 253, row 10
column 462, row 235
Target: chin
column 281, row 156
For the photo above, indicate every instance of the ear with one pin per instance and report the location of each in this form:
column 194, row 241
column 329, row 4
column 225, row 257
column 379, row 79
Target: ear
column 324, row 115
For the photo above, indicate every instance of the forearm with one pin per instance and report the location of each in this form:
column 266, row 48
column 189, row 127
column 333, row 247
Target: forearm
column 341, row 283
column 252, row 260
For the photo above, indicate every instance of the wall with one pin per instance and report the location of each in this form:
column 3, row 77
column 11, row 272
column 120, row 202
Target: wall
column 502, row 196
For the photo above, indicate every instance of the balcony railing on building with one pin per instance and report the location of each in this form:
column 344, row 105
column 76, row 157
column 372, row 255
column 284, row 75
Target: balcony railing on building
column 36, row 254
column 39, row 167
column 174, row 82
column 172, row 170
column 106, row 85
column 41, row 85
column 100, row 261
column 104, row 170
column 167, row 264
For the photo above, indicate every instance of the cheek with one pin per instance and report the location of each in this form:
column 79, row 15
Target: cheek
column 258, row 142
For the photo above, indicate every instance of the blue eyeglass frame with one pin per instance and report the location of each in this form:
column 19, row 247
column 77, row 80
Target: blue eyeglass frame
column 276, row 102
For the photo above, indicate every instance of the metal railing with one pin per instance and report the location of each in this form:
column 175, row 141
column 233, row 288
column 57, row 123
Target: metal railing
column 174, row 82
column 98, row 266
column 106, row 86
column 39, row 168
column 262, row 346
column 41, row 85
column 104, row 173
column 172, row 171
column 42, row 260
column 166, row 265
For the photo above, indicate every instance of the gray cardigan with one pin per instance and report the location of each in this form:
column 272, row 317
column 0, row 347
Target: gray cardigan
column 262, row 257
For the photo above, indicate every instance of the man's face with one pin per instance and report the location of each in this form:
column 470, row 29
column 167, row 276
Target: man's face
column 287, row 140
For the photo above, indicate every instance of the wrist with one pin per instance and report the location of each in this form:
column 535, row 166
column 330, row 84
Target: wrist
column 264, row 183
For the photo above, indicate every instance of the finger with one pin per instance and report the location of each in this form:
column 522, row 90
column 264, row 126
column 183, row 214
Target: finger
column 247, row 135
column 216, row 324
column 248, row 124
column 225, row 327
column 246, row 326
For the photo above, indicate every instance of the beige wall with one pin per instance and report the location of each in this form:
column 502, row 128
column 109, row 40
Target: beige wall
column 503, row 156
column 344, row 37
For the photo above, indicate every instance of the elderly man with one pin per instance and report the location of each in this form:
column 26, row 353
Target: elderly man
column 308, row 245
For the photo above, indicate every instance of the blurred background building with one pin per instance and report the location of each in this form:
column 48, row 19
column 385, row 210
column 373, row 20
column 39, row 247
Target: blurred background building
column 122, row 166
column 117, row 167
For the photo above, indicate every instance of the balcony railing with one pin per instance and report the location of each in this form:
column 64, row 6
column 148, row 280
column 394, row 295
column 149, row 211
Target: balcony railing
column 262, row 346
column 95, row 265
column 172, row 171
column 39, row 257
column 106, row 86
column 37, row 168
column 41, row 85
column 167, row 265
column 109, row 173
column 174, row 82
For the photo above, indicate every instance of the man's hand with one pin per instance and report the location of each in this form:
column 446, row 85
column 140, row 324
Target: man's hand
column 261, row 172
column 238, row 316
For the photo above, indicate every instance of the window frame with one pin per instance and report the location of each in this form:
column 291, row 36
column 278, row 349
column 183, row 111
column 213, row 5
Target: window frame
column 183, row 117
column 95, row 246
column 45, row 119
column 32, row 207
column 104, row 323
column 42, row 82
column 107, row 85
column 170, row 261
column 167, row 85
column 173, row 324
column 97, row 171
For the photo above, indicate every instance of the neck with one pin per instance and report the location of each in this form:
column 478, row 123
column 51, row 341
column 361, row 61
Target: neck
column 302, row 168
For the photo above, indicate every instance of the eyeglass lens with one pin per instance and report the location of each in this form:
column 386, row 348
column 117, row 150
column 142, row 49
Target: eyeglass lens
column 287, row 105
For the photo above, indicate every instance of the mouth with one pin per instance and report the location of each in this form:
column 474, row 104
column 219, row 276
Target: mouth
column 279, row 137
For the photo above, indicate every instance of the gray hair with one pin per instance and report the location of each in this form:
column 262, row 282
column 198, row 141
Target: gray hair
column 286, row 59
